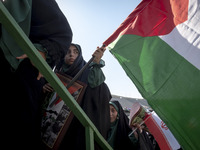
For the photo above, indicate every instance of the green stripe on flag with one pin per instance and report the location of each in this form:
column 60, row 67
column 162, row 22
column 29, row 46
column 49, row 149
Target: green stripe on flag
column 142, row 58
column 178, row 101
column 170, row 83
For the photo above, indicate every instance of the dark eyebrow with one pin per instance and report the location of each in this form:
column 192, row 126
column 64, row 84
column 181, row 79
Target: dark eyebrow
column 76, row 50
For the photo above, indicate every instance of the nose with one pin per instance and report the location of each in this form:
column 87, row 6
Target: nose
column 71, row 54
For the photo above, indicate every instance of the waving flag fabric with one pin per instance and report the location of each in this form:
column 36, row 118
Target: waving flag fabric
column 158, row 46
column 161, row 132
column 155, row 126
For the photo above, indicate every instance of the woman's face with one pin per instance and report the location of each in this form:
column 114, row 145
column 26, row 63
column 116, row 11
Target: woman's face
column 113, row 114
column 71, row 55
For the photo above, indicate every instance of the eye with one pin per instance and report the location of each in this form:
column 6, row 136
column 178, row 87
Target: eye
column 112, row 110
column 76, row 52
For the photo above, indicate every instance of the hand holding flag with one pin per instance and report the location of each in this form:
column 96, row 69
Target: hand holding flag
column 98, row 54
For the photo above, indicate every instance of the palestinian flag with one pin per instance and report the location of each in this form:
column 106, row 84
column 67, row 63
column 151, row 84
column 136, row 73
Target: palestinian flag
column 158, row 46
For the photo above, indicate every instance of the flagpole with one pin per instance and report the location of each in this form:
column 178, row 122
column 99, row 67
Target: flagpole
column 83, row 69
column 78, row 75
column 140, row 124
column 74, row 79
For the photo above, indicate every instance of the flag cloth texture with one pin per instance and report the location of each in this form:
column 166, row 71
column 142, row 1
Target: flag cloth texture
column 158, row 46
column 161, row 132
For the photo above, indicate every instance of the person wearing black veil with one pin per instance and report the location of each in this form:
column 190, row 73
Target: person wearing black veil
column 95, row 100
column 119, row 135
column 46, row 26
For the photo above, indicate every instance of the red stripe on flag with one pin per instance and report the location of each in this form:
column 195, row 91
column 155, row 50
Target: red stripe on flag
column 153, row 18
column 155, row 130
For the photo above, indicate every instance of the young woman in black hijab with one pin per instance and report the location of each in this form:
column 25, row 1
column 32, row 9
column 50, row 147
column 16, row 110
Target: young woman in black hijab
column 119, row 135
column 95, row 101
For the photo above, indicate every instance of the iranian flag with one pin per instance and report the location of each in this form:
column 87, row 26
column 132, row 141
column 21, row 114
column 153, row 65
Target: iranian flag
column 161, row 132
column 158, row 46
column 155, row 125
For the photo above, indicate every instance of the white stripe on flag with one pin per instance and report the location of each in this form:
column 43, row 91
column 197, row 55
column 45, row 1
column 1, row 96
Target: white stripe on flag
column 185, row 38
column 166, row 132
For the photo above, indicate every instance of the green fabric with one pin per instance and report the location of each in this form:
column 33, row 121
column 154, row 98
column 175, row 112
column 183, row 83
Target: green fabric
column 96, row 75
column 166, row 80
column 112, row 133
column 21, row 12
column 40, row 48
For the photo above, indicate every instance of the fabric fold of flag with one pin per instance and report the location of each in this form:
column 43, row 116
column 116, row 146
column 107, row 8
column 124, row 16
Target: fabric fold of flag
column 158, row 46
column 153, row 124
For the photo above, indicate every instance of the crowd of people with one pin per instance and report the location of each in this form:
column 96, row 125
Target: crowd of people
column 24, row 89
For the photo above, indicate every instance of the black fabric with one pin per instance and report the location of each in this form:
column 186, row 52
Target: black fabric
column 30, row 100
column 0, row 30
column 20, row 106
column 20, row 90
column 123, row 130
column 50, row 28
column 144, row 141
column 95, row 103
column 77, row 66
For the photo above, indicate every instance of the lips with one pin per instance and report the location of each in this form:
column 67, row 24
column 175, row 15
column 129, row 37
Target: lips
column 71, row 60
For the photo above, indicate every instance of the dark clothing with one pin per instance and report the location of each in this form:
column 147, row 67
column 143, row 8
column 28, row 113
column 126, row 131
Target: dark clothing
column 144, row 141
column 95, row 106
column 76, row 67
column 21, row 113
column 121, row 139
column 95, row 103
column 50, row 28
column 20, row 87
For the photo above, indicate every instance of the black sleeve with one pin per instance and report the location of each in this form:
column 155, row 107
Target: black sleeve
column 50, row 28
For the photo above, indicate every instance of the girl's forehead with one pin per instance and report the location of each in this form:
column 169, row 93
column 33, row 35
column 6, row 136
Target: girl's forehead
column 112, row 107
column 73, row 47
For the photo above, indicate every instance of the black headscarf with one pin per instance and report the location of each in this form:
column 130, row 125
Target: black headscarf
column 95, row 104
column 50, row 28
column 78, row 64
column 122, row 140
